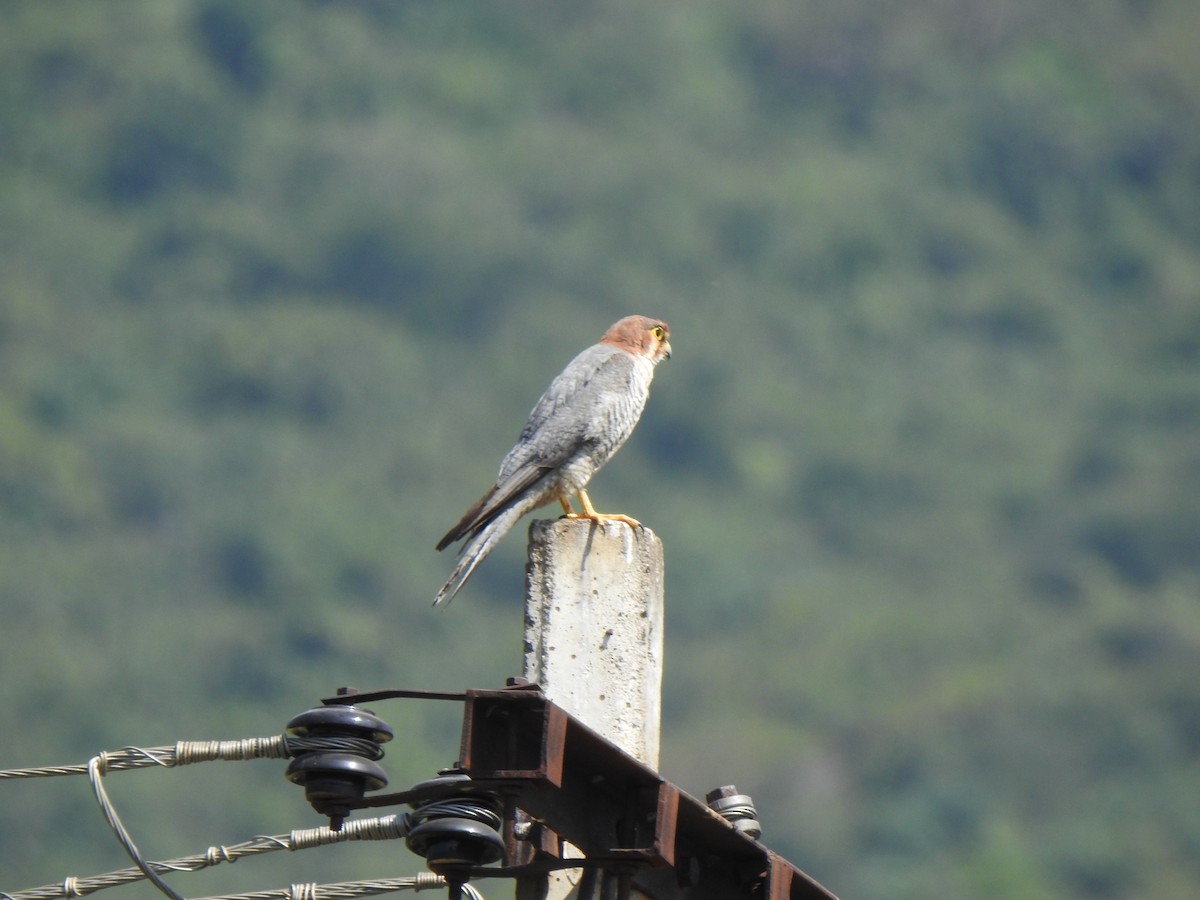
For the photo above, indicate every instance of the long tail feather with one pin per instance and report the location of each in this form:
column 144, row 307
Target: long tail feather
column 478, row 547
column 467, row 522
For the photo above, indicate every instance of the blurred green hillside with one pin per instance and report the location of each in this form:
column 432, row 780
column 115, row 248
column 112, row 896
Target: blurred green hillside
column 279, row 282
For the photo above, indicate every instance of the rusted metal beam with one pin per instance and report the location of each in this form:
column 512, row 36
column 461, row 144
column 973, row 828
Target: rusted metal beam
column 561, row 783
column 618, row 812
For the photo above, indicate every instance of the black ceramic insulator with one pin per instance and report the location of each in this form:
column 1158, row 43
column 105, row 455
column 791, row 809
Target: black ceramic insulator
column 349, row 721
column 454, row 842
column 457, row 827
column 445, row 779
column 333, row 781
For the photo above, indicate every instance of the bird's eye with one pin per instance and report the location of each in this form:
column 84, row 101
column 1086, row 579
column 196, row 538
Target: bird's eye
column 658, row 332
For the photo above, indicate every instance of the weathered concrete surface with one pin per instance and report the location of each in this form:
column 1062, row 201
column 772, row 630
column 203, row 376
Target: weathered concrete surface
column 594, row 642
column 594, row 627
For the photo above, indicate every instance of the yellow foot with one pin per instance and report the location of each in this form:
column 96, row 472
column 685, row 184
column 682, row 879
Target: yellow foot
column 601, row 518
column 589, row 512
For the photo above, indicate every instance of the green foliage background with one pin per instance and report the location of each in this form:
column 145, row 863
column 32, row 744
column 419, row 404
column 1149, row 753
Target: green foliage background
column 280, row 281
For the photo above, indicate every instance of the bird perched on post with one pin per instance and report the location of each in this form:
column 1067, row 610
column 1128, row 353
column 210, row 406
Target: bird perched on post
column 584, row 417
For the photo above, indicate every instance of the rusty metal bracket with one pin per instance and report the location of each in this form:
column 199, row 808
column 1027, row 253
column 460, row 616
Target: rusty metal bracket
column 561, row 782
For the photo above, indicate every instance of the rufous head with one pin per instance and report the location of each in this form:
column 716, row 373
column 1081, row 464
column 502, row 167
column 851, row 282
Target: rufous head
column 641, row 336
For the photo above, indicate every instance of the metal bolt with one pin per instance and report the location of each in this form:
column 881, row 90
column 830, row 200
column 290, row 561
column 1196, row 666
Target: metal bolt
column 737, row 809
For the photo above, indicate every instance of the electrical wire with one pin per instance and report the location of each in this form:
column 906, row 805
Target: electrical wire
column 278, row 747
column 184, row 753
column 459, row 809
column 348, row 890
column 96, row 769
column 381, row 828
column 388, row 827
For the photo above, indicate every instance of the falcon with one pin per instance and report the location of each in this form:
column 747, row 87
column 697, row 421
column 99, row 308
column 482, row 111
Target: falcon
column 584, row 417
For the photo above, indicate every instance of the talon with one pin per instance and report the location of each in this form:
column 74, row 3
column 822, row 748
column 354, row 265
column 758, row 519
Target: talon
column 589, row 512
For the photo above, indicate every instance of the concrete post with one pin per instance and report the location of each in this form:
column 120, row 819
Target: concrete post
column 594, row 633
column 594, row 627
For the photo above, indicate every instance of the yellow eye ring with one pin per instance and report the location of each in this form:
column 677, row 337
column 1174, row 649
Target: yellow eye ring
column 657, row 332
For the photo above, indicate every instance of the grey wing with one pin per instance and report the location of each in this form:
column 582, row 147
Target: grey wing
column 589, row 410
column 581, row 420
column 583, row 406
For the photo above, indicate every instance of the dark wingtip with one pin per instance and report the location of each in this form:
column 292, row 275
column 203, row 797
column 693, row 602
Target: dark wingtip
column 466, row 523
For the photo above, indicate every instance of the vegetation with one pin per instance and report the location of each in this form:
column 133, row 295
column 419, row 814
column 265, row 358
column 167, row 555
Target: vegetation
column 280, row 281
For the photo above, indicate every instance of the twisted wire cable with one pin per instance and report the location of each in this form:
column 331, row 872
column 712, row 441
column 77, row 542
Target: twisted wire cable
column 96, row 768
column 381, row 828
column 375, row 829
column 277, row 747
column 348, row 890
column 460, row 809
column 184, row 753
